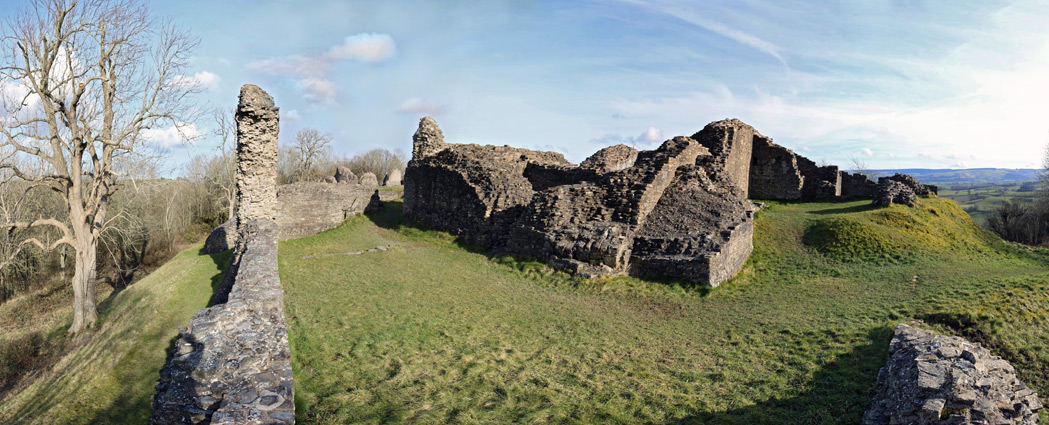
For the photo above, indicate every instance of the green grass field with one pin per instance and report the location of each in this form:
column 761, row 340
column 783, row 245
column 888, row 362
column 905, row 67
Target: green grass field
column 108, row 374
column 435, row 332
column 983, row 199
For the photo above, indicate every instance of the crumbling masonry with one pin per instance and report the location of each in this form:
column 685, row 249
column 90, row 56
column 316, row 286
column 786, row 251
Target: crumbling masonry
column 232, row 364
column 679, row 211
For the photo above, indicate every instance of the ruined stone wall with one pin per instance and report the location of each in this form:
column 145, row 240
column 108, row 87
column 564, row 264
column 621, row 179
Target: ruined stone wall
column 472, row 190
column 774, row 172
column 587, row 219
column 731, row 142
column 933, row 379
column 856, row 186
column 232, row 364
column 308, row 208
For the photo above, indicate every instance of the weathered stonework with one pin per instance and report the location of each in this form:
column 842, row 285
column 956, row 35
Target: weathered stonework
column 910, row 182
column 857, row 186
column 232, row 364
column 612, row 158
column 774, row 172
column 220, row 239
column 731, row 142
column 344, row 175
column 428, row 139
column 308, row 208
column 893, row 192
column 589, row 220
column 369, row 179
column 933, row 379
column 393, row 178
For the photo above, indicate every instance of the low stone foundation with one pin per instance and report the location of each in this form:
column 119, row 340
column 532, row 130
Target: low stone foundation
column 232, row 364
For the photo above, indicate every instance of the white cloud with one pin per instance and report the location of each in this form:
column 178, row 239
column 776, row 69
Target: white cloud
column 291, row 115
column 417, row 106
column 867, row 152
column 310, row 72
column 652, row 135
column 170, row 136
column 368, row 48
column 202, row 80
column 318, row 90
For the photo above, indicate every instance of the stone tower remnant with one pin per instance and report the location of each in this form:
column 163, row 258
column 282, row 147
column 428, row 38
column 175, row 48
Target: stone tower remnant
column 232, row 364
column 428, row 139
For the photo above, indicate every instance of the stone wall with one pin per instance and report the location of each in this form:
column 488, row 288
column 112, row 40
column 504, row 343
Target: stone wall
column 933, row 379
column 731, row 142
column 857, row 186
column 591, row 220
column 232, row 364
column 774, row 172
column 308, row 208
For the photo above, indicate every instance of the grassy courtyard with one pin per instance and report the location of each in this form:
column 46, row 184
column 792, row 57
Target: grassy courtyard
column 435, row 332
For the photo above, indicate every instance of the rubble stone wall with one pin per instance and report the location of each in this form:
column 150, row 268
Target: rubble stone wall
column 585, row 219
column 308, row 208
column 933, row 379
column 232, row 364
column 774, row 172
column 731, row 142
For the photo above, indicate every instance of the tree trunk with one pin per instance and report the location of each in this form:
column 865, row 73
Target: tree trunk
column 84, row 311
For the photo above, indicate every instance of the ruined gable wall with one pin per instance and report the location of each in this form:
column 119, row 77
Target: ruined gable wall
column 232, row 364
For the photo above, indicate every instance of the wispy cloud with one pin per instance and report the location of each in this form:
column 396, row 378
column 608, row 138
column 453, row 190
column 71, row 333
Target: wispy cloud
column 689, row 15
column 417, row 106
column 311, row 71
column 167, row 137
column 203, row 80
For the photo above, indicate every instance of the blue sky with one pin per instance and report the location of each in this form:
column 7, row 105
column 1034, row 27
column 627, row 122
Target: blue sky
column 896, row 84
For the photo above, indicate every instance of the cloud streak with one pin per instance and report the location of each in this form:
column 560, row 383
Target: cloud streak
column 310, row 72
column 417, row 106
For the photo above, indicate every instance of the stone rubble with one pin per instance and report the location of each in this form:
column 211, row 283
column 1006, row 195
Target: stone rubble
column 368, row 179
column 893, row 192
column 344, row 175
column 934, row 379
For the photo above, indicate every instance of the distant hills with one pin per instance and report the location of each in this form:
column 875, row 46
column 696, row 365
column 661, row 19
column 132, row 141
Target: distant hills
column 966, row 176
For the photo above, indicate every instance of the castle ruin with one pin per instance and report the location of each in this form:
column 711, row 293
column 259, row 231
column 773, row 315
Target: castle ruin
column 679, row 211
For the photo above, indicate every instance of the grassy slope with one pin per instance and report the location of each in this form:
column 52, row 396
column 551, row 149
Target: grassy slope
column 432, row 332
column 108, row 376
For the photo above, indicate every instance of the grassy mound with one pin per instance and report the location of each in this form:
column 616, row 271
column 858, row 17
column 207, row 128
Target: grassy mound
column 435, row 332
column 934, row 225
column 106, row 375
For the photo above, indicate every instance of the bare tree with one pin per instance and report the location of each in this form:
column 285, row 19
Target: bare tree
column 377, row 161
column 859, row 167
column 225, row 177
column 310, row 146
column 84, row 80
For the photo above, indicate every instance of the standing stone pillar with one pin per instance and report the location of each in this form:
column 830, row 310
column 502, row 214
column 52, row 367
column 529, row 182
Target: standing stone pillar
column 257, row 126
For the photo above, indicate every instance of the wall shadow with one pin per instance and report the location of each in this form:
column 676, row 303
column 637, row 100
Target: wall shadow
column 845, row 210
column 841, row 392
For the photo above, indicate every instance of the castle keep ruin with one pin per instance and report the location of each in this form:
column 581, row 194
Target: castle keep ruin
column 679, row 211
column 232, row 364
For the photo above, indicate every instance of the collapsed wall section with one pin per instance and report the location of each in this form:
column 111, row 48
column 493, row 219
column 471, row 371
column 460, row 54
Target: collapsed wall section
column 774, row 172
column 232, row 364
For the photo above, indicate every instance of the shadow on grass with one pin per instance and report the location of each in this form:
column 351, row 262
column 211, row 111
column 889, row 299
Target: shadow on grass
column 841, row 391
column 845, row 210
column 134, row 406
